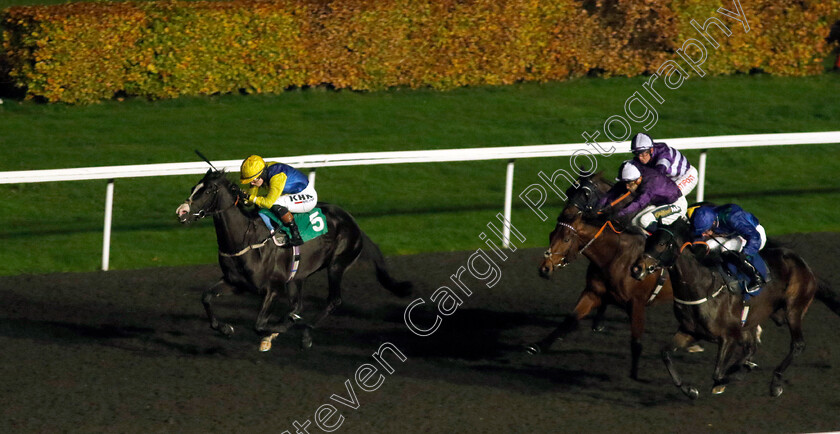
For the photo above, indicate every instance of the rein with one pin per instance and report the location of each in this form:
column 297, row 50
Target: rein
column 600, row 231
column 201, row 213
column 549, row 253
column 687, row 244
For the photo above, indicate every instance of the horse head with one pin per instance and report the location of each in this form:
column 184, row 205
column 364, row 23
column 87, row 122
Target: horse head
column 212, row 195
column 564, row 241
column 662, row 249
column 564, row 245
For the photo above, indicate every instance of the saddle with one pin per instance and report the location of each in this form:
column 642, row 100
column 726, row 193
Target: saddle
column 311, row 225
column 736, row 281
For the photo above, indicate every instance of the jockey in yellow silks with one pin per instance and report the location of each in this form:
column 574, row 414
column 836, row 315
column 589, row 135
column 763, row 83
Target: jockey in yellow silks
column 289, row 191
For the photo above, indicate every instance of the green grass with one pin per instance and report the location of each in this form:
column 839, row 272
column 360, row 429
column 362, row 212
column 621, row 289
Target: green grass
column 406, row 208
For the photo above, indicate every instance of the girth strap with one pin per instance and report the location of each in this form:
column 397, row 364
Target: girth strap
column 295, row 263
column 702, row 300
column 243, row 251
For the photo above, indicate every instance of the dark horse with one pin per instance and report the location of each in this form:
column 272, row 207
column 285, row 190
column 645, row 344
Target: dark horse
column 611, row 253
column 706, row 310
column 252, row 262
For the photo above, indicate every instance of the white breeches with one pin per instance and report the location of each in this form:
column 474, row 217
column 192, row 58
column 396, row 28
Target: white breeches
column 299, row 202
column 735, row 243
column 688, row 181
column 666, row 214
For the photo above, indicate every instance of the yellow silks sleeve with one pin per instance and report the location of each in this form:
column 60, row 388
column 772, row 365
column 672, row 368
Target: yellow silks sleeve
column 276, row 185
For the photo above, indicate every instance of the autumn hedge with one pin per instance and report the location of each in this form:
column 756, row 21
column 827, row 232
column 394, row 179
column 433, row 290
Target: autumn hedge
column 84, row 52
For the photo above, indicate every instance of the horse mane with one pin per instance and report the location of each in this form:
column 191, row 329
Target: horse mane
column 215, row 175
column 598, row 178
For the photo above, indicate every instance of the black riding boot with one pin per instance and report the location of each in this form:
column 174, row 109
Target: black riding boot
column 755, row 277
column 288, row 220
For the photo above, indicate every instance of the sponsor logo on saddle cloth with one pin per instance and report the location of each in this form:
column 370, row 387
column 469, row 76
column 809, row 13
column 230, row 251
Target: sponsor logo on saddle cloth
column 311, row 225
column 665, row 211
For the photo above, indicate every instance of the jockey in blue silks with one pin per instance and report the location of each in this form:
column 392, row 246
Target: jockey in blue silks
column 657, row 197
column 729, row 227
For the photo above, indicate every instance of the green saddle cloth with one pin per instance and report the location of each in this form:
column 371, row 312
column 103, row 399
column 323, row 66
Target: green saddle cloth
column 311, row 225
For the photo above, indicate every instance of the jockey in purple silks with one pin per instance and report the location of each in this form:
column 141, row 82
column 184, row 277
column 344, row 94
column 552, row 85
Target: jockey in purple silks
column 657, row 197
column 667, row 160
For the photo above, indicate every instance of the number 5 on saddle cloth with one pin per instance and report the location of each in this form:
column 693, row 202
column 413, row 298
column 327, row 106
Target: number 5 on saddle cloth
column 311, row 225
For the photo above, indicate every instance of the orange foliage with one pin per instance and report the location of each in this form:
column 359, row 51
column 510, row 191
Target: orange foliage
column 85, row 52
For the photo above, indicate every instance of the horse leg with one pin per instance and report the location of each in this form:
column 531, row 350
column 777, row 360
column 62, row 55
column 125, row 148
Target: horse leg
column 334, row 275
column 220, row 288
column 797, row 346
column 261, row 325
column 680, row 340
column 296, row 307
column 637, row 329
column 721, row 365
column 597, row 321
column 588, row 301
column 749, row 341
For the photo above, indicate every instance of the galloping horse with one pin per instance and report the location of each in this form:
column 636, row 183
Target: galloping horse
column 608, row 281
column 252, row 262
column 706, row 310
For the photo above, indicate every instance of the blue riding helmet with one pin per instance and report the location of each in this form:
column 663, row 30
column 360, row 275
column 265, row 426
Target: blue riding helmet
column 703, row 219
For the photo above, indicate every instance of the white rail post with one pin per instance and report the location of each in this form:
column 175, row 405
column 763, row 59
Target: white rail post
column 701, row 175
column 312, row 177
column 106, row 236
column 508, row 202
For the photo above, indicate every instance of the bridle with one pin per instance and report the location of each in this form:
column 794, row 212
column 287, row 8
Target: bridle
column 660, row 264
column 563, row 262
column 548, row 253
column 668, row 249
column 200, row 214
column 584, row 199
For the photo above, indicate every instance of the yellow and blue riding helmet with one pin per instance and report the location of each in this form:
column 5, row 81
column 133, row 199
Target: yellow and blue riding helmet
column 252, row 168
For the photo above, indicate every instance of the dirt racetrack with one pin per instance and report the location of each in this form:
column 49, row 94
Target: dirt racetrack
column 131, row 351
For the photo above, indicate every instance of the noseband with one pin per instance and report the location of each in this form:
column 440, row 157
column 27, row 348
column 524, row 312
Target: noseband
column 548, row 253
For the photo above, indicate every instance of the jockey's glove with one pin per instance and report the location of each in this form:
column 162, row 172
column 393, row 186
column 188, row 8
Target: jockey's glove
column 241, row 194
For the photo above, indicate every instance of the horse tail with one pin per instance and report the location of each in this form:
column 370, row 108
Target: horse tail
column 398, row 288
column 827, row 295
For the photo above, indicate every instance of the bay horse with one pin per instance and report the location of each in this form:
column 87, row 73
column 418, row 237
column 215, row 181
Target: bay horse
column 706, row 310
column 611, row 253
column 252, row 262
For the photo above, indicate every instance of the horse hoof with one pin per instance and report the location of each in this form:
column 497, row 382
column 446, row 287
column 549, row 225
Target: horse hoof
column 776, row 391
column 696, row 348
column 693, row 393
column 532, row 349
column 265, row 343
column 598, row 328
column 226, row 329
column 306, row 340
column 719, row 389
column 750, row 365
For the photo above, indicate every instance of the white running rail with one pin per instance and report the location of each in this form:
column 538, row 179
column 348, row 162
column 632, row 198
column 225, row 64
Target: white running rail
column 313, row 162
